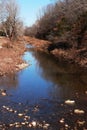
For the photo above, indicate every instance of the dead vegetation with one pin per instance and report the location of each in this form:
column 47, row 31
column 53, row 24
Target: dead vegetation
column 72, row 55
column 37, row 43
column 64, row 25
column 10, row 55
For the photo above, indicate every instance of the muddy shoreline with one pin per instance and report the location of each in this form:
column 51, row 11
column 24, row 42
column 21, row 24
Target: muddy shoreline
column 11, row 54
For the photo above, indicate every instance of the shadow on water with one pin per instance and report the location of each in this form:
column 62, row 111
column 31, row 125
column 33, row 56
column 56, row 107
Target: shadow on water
column 40, row 90
column 9, row 81
column 67, row 77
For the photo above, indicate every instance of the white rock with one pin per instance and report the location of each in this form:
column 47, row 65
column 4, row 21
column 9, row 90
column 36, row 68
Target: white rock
column 22, row 66
column 27, row 117
column 17, row 126
column 11, row 125
column 3, row 93
column 23, row 123
column 62, row 120
column 7, row 108
column 26, row 122
column 11, row 110
column 81, row 122
column 15, row 111
column 30, row 125
column 34, row 123
column 78, row 111
column 16, row 123
column 66, row 125
column 20, row 114
column 70, row 102
column 46, row 126
column 4, row 106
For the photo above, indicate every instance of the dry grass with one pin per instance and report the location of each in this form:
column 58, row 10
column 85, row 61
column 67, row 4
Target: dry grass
column 37, row 43
column 10, row 55
column 73, row 55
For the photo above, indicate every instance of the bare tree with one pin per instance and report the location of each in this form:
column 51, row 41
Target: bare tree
column 9, row 17
column 3, row 15
column 65, row 19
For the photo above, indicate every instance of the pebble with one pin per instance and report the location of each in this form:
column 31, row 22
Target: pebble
column 4, row 106
column 7, row 108
column 11, row 125
column 66, row 125
column 27, row 117
column 70, row 102
column 17, row 123
column 17, row 126
column 46, row 126
column 15, row 111
column 81, row 122
column 3, row 93
column 23, row 123
column 78, row 111
column 20, row 114
column 26, row 122
column 30, row 125
column 10, row 110
column 62, row 120
column 34, row 123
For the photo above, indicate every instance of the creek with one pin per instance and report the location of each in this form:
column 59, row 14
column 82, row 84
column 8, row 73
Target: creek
column 40, row 91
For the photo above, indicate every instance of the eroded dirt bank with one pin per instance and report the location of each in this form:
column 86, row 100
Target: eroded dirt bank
column 11, row 56
column 72, row 55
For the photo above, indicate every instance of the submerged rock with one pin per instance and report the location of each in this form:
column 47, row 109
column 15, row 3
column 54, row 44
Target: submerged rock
column 46, row 126
column 3, row 92
column 20, row 114
column 34, row 123
column 11, row 125
column 62, row 120
column 70, row 102
column 81, row 123
column 23, row 123
column 78, row 111
column 66, row 126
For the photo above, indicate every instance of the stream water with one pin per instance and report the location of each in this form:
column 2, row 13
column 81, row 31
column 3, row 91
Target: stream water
column 40, row 91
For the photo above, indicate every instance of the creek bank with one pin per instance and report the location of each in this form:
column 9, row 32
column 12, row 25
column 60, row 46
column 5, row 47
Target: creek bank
column 68, row 54
column 21, row 66
column 11, row 56
column 39, row 45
